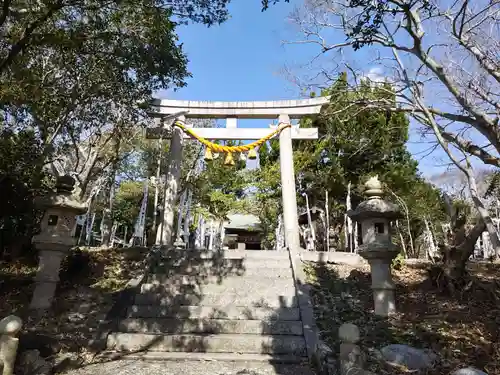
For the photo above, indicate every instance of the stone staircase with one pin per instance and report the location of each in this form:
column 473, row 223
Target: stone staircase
column 216, row 306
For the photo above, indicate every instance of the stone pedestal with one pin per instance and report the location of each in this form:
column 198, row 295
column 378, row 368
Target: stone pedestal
column 54, row 240
column 375, row 216
column 241, row 246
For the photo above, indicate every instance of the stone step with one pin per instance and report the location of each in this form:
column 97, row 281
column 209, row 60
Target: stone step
column 213, row 312
column 215, row 280
column 162, row 274
column 212, row 326
column 183, row 357
column 259, row 299
column 185, row 366
column 256, row 344
column 228, row 254
column 241, row 286
column 221, row 265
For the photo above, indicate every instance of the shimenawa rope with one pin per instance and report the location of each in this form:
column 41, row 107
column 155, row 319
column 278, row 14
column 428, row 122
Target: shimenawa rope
column 214, row 147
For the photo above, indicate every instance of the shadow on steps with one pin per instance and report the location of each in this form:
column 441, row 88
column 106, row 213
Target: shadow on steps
column 217, row 304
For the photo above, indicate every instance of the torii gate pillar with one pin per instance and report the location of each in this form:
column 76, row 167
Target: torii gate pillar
column 288, row 191
column 166, row 230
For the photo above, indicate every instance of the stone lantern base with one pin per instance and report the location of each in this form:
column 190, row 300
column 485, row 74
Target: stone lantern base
column 47, row 277
column 379, row 255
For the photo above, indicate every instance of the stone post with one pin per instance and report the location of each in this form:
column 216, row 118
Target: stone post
column 172, row 183
column 55, row 239
column 351, row 357
column 375, row 216
column 288, row 191
column 9, row 329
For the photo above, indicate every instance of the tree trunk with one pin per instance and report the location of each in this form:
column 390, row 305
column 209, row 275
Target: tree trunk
column 106, row 228
column 403, row 204
column 113, row 233
column 107, row 220
column 451, row 273
column 410, row 237
column 348, row 222
column 312, row 234
column 430, row 245
column 401, row 238
column 485, row 215
column 327, row 212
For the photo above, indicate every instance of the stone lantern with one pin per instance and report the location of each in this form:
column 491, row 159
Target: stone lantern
column 55, row 238
column 375, row 216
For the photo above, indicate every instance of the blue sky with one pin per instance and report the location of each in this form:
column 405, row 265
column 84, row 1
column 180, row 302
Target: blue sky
column 243, row 58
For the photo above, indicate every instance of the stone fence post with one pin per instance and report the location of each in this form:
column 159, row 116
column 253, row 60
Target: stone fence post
column 9, row 328
column 351, row 357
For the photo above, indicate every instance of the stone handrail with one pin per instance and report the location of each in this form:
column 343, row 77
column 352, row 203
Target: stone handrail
column 9, row 329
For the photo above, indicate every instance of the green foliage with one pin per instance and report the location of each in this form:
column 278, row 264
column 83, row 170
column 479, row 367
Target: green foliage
column 353, row 145
column 121, row 50
column 398, row 262
column 75, row 79
column 362, row 143
column 493, row 185
column 266, row 3
column 20, row 182
column 127, row 203
column 266, row 203
column 221, row 188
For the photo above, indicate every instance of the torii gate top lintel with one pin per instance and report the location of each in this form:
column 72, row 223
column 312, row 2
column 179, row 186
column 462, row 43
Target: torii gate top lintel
column 255, row 109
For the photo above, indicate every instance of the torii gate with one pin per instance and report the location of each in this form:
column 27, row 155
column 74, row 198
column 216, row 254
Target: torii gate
column 284, row 110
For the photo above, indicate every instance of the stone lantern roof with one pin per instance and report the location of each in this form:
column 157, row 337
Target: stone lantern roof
column 375, row 206
column 62, row 197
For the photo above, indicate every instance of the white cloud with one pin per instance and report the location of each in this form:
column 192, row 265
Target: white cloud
column 375, row 74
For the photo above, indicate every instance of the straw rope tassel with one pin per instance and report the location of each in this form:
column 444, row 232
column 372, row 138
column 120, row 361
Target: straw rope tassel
column 229, row 159
column 208, row 154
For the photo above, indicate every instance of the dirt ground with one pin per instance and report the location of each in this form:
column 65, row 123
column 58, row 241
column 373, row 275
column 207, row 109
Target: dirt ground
column 90, row 280
column 462, row 329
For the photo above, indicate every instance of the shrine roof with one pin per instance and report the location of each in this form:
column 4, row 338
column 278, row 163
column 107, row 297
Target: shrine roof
column 243, row 221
